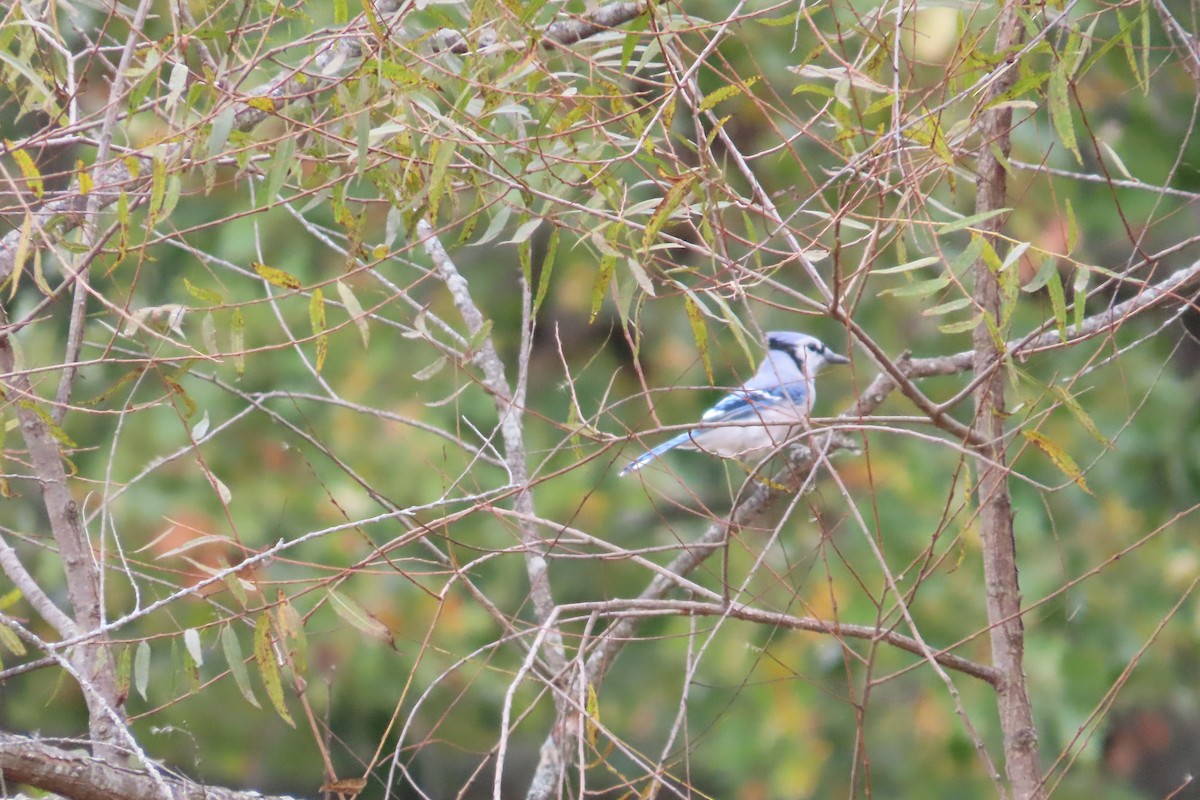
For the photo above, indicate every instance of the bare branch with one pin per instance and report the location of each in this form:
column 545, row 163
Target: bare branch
column 76, row 775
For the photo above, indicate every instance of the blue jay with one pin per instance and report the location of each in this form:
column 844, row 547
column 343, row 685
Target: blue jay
column 766, row 411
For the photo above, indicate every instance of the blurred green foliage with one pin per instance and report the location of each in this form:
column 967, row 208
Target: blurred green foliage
column 769, row 712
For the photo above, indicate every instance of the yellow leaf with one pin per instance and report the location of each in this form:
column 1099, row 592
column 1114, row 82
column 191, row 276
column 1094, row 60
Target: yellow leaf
column 1059, row 456
column 276, row 277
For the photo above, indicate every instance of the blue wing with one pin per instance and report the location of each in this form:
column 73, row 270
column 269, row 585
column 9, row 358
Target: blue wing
column 737, row 406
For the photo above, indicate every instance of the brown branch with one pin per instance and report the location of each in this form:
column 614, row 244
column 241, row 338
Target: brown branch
column 1021, row 757
column 93, row 660
column 78, row 776
column 558, row 33
column 641, row 608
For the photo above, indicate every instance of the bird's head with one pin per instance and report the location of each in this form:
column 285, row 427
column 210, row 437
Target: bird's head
column 808, row 352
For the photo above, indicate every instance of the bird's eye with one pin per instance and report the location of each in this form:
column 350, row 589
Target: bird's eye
column 814, row 347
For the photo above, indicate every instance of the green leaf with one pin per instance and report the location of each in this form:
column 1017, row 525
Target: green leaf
column 1058, row 303
column 1061, row 459
column 141, row 668
column 1068, row 400
column 961, row 327
column 57, row 432
column 725, row 92
column 919, row 288
column 674, row 196
column 355, row 310
column 1042, row 277
column 237, row 336
column 191, row 640
column 291, row 629
column 948, row 307
column 276, row 277
column 908, row 267
column 1060, row 108
column 699, row 333
column 543, row 285
column 202, row 294
column 969, row 222
column 281, row 167
column 23, row 247
column 351, row 611
column 221, row 128
column 10, row 640
column 1079, row 295
column 237, row 664
column 158, row 191
column 316, row 316
column 33, row 178
column 264, row 656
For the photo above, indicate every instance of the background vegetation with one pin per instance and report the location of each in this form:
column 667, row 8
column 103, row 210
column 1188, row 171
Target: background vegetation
column 327, row 327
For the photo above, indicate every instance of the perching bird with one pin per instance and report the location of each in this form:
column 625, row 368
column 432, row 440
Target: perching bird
column 766, row 411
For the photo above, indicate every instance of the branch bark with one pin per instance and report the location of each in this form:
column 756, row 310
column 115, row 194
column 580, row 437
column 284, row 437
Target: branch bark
column 1021, row 757
column 76, row 775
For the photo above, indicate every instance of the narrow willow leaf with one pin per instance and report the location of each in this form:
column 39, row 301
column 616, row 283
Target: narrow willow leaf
column 208, row 333
column 268, row 670
column 608, row 266
column 191, row 640
column 355, row 310
column 124, row 668
column 176, row 83
column 670, row 202
column 725, row 92
column 948, row 308
column 291, row 628
column 1079, row 292
column 1058, row 304
column 1072, row 405
column 316, row 316
column 699, row 333
column 525, row 230
column 1014, row 253
column 1072, row 227
column 969, row 222
column 351, row 611
column 55, row 429
column 29, row 170
column 141, row 668
column 221, row 128
column 276, row 277
column 158, row 191
column 281, row 167
column 919, row 288
column 910, row 266
column 546, row 271
column 201, row 428
column 1042, row 277
column 639, row 274
column 1060, row 457
column 441, row 153
column 202, row 294
column 10, row 640
column 237, row 336
column 22, row 253
column 434, row 368
column 961, row 327
column 593, row 714
column 1060, row 108
column 237, row 664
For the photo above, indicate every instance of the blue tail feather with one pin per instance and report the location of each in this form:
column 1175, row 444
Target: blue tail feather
column 648, row 456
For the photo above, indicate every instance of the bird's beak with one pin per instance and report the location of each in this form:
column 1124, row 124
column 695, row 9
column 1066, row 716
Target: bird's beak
column 834, row 358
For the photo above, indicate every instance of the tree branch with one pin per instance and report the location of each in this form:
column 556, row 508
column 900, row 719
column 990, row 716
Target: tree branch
column 76, row 775
column 1021, row 757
